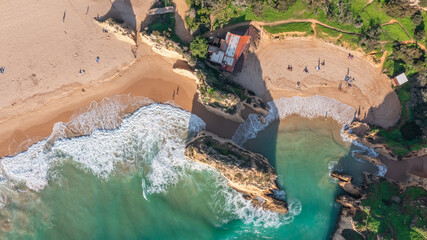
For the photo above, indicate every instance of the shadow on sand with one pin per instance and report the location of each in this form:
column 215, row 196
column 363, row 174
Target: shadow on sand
column 226, row 128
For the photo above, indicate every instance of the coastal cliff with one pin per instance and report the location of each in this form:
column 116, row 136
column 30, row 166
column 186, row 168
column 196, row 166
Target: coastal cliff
column 246, row 172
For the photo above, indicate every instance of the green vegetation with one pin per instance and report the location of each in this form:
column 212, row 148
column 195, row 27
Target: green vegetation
column 405, row 136
column 217, row 91
column 393, row 32
column 291, row 27
column 339, row 38
column 375, row 28
column 395, row 137
column 393, row 214
column 199, row 47
column 164, row 25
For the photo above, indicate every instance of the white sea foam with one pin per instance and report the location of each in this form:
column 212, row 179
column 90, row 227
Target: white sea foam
column 105, row 114
column 309, row 107
column 154, row 133
column 152, row 140
column 362, row 149
column 243, row 209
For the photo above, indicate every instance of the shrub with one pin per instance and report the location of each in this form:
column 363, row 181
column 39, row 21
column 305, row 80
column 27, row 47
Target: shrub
column 410, row 131
column 417, row 18
column 399, row 8
column 358, row 22
column 199, row 47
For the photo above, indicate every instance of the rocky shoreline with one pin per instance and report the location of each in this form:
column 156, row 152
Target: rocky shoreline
column 361, row 207
column 247, row 172
column 356, row 198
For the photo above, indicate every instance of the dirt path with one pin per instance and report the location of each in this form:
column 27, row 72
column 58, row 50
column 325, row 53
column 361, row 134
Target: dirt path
column 275, row 23
column 180, row 27
column 367, row 4
column 393, row 21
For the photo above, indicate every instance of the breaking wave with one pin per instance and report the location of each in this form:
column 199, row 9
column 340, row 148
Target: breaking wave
column 111, row 134
column 362, row 149
column 155, row 134
column 309, row 107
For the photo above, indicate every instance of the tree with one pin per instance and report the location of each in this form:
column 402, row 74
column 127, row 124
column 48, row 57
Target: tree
column 256, row 7
column 199, row 47
column 410, row 131
column 399, row 8
column 282, row 5
column 344, row 11
column 358, row 22
column 417, row 18
column 371, row 35
column 420, row 34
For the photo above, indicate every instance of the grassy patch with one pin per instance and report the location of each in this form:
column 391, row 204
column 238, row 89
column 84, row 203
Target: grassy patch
column 290, row 27
column 340, row 38
column 230, row 15
column 403, row 92
column 382, row 216
column 393, row 32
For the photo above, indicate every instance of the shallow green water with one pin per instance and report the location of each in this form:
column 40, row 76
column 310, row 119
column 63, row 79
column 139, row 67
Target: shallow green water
column 78, row 205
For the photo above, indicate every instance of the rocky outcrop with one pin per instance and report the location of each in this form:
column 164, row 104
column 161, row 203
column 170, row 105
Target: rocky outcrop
column 345, row 182
column 246, row 172
column 120, row 29
column 362, row 133
column 372, row 206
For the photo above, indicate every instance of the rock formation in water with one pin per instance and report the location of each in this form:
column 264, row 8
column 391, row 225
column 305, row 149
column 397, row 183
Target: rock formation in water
column 345, row 182
column 246, row 172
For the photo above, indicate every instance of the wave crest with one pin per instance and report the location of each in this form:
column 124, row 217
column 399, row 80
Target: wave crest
column 309, row 107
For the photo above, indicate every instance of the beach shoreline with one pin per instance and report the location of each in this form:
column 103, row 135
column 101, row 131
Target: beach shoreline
column 150, row 75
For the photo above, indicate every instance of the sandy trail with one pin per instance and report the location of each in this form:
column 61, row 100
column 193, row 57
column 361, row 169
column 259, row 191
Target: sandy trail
column 265, row 73
column 180, row 28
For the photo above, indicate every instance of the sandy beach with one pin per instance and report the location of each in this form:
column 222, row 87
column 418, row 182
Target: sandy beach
column 42, row 84
column 265, row 72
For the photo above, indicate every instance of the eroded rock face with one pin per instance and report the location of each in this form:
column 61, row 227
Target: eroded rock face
column 345, row 182
column 246, row 172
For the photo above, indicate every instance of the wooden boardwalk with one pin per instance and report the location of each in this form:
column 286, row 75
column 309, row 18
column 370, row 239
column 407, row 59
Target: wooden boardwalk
column 156, row 11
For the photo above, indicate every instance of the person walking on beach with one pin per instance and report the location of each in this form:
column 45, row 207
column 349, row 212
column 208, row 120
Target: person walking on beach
column 177, row 90
column 97, row 59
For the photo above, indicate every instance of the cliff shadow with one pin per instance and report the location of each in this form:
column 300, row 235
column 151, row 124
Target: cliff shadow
column 385, row 115
column 122, row 10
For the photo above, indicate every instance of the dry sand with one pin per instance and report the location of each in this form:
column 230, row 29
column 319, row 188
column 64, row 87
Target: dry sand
column 44, row 44
column 265, row 72
column 180, row 27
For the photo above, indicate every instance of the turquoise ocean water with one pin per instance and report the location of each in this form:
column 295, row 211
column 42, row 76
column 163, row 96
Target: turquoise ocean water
column 135, row 183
